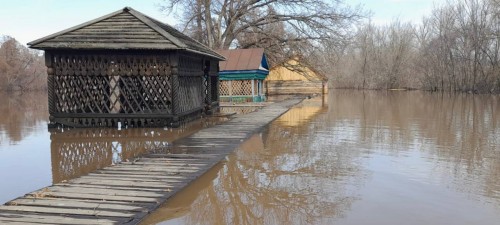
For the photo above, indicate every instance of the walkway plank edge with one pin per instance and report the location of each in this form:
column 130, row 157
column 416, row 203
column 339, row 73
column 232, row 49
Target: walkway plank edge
column 128, row 192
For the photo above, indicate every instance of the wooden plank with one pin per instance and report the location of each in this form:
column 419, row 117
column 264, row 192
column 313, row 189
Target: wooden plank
column 24, row 217
column 152, row 169
column 135, row 178
column 170, row 159
column 183, row 156
column 164, row 163
column 77, row 45
column 98, row 38
column 114, row 187
column 157, row 166
column 114, row 36
column 118, row 19
column 21, row 223
column 145, row 184
column 107, row 32
column 99, row 26
column 167, row 178
column 105, row 191
column 116, row 30
column 120, row 23
column 100, row 197
column 123, row 15
column 63, row 211
column 146, row 173
column 72, row 203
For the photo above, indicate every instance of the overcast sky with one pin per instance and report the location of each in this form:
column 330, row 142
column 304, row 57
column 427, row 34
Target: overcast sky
column 28, row 20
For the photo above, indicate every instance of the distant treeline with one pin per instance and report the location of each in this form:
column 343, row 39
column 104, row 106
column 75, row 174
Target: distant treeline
column 21, row 69
column 455, row 48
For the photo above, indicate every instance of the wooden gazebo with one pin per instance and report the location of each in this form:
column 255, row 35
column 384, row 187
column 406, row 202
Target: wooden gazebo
column 127, row 68
column 242, row 75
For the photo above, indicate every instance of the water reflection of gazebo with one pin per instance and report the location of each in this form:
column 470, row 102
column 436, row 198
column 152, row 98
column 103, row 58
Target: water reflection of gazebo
column 81, row 151
column 76, row 152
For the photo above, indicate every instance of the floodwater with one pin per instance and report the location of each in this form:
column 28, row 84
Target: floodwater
column 352, row 157
column 33, row 157
column 358, row 158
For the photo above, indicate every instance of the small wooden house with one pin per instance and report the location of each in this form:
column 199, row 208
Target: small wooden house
column 130, row 69
column 294, row 77
column 242, row 75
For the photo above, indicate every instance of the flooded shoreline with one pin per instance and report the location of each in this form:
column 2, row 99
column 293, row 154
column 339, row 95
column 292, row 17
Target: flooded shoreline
column 353, row 157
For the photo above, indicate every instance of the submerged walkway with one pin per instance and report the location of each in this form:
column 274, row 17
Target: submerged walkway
column 127, row 192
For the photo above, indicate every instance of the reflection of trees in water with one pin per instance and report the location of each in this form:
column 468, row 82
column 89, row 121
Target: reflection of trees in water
column 286, row 175
column 76, row 152
column 308, row 172
column 19, row 113
column 460, row 131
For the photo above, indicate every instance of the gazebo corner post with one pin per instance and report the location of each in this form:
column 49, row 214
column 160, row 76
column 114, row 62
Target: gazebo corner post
column 215, row 90
column 175, row 90
column 253, row 90
column 214, row 86
column 208, row 88
column 50, row 88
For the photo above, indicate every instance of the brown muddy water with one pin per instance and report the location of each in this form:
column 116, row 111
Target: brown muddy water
column 351, row 158
column 358, row 158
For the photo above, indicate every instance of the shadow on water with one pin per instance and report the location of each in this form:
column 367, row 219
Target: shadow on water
column 358, row 158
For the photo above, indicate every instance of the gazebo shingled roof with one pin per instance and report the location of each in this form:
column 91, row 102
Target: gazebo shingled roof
column 123, row 29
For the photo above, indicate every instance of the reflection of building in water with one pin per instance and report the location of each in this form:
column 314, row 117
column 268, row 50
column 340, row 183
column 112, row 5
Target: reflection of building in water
column 81, row 151
column 76, row 152
column 304, row 112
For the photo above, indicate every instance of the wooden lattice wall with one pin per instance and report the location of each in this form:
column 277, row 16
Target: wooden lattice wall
column 191, row 88
column 239, row 90
column 89, row 89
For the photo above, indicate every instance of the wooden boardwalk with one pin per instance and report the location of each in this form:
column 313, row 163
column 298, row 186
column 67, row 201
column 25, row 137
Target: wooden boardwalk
column 127, row 192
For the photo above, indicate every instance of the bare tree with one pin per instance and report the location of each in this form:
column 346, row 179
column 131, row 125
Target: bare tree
column 461, row 52
column 281, row 26
column 455, row 48
column 20, row 68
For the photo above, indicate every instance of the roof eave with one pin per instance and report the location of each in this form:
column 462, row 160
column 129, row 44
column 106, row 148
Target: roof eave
column 215, row 56
column 100, row 48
